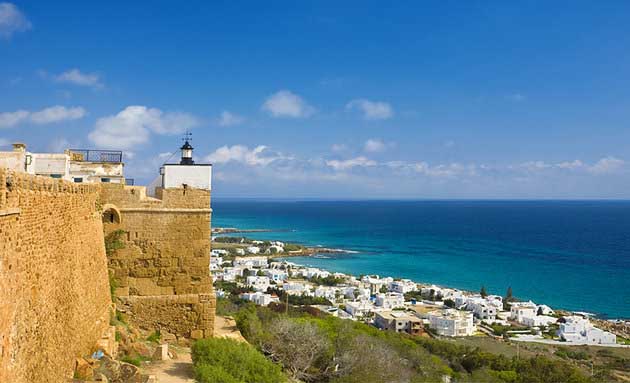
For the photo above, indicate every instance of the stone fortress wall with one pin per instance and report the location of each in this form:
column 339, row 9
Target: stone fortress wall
column 54, row 289
column 162, row 270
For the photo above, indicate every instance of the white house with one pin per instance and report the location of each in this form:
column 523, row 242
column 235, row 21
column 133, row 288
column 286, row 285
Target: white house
column 276, row 275
column 359, row 309
column 361, row 292
column 218, row 252
column 433, row 290
column 452, row 322
column 483, row 310
column 273, row 249
column 239, row 251
column 312, row 272
column 74, row 165
column 215, row 263
column 403, row 286
column 538, row 321
column 390, row 300
column 229, row 274
column 328, row 292
column 253, row 249
column 297, row 288
column 258, row 283
column 259, row 298
column 250, row 262
column 520, row 310
column 580, row 330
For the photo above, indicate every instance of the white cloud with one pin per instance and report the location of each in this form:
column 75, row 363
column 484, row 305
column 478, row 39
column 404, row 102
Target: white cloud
column 134, row 125
column 12, row 20
column 372, row 110
column 242, row 154
column 9, row 119
column 572, row 165
column 339, row 147
column 351, row 163
column 56, row 114
column 286, row 104
column 76, row 77
column 437, row 171
column 607, row 165
column 374, row 145
column 229, row 119
column 45, row 116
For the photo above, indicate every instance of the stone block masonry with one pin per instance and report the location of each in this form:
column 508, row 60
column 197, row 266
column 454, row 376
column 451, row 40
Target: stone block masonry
column 163, row 268
column 54, row 288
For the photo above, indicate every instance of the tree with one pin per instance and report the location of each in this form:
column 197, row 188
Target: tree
column 383, row 289
column 508, row 298
column 369, row 359
column 483, row 292
column 449, row 303
column 299, row 345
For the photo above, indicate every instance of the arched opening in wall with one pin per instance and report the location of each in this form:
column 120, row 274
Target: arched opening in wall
column 111, row 215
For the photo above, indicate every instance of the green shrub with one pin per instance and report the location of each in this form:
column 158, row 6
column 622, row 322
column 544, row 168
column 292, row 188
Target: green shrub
column 135, row 360
column 155, row 337
column 113, row 241
column 227, row 361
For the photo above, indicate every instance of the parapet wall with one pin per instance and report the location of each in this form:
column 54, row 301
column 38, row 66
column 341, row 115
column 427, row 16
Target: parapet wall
column 54, row 288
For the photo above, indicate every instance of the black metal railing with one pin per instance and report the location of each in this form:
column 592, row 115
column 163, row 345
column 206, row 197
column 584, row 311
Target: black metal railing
column 114, row 156
column 129, row 181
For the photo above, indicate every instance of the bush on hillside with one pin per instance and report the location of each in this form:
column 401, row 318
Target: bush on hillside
column 228, row 361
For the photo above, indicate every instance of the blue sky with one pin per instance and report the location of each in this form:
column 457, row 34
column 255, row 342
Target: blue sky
column 333, row 99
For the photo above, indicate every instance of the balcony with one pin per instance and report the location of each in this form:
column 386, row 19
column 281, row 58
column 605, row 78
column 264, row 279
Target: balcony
column 107, row 156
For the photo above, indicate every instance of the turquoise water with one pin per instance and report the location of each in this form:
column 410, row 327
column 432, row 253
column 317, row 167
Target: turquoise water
column 571, row 254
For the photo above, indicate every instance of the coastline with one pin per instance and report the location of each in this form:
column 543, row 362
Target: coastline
column 315, row 251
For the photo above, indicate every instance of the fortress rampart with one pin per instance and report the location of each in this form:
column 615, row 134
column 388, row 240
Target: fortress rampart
column 162, row 269
column 54, row 288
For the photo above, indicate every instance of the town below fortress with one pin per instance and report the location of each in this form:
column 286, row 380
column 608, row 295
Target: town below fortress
column 264, row 270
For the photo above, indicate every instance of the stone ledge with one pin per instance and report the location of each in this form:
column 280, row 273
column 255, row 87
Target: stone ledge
column 182, row 298
column 10, row 211
column 164, row 210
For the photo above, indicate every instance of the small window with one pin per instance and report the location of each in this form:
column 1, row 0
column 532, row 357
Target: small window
column 105, row 179
column 78, row 179
column 55, row 175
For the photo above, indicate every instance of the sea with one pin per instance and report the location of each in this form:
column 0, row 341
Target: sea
column 572, row 255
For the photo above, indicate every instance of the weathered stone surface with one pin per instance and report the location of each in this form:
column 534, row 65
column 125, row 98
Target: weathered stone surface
column 119, row 372
column 83, row 369
column 54, row 289
column 164, row 265
column 196, row 334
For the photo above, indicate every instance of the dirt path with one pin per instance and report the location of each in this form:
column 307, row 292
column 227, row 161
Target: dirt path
column 225, row 327
column 180, row 370
column 173, row 370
